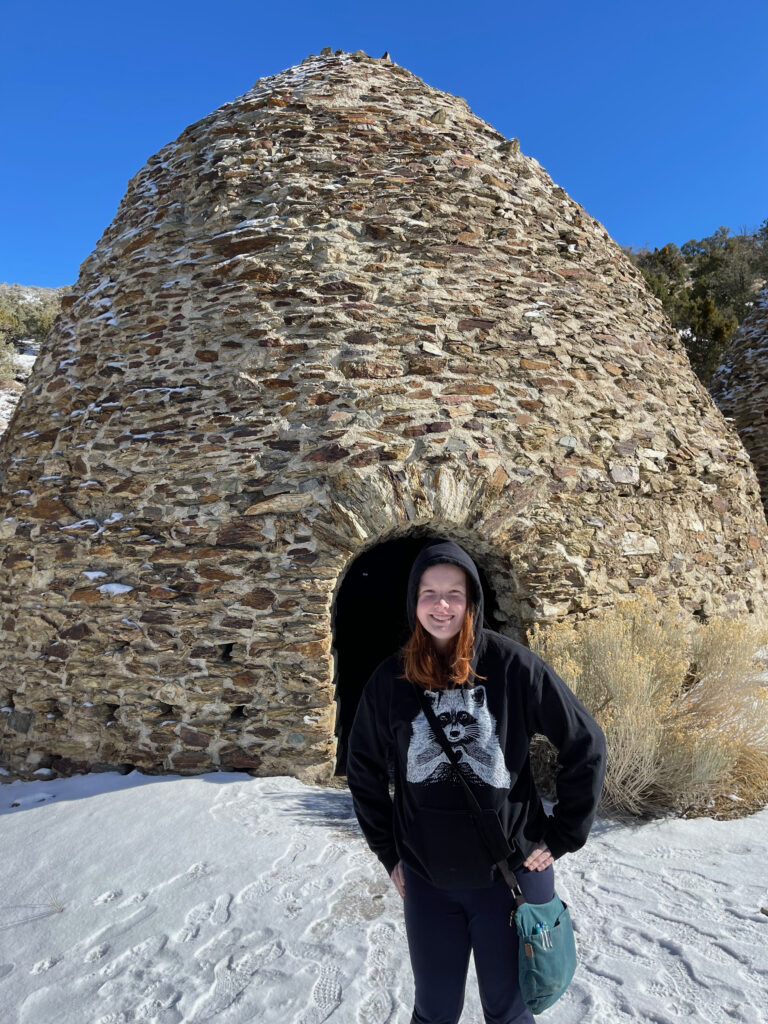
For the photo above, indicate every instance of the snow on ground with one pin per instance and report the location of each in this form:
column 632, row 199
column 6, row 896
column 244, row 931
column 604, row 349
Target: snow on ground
column 231, row 899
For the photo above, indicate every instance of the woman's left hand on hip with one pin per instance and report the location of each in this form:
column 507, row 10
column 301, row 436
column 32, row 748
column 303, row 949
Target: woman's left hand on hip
column 539, row 859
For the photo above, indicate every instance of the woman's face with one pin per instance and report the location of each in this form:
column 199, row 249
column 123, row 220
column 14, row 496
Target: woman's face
column 442, row 602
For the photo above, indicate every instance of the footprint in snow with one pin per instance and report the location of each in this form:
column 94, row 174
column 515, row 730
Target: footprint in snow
column 258, row 959
column 45, row 965
column 142, row 953
column 295, row 848
column 229, row 982
column 131, row 901
column 323, row 929
column 376, row 1008
column 220, row 913
column 111, row 932
column 382, row 958
column 97, row 953
column 198, row 871
column 108, row 897
column 319, row 952
column 220, row 946
column 326, row 996
column 331, row 854
column 193, row 922
column 159, row 1005
column 253, row 892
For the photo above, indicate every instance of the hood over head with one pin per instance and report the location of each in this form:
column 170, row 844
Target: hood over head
column 438, row 553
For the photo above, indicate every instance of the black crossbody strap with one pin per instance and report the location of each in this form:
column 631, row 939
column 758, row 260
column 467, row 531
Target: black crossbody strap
column 506, row 873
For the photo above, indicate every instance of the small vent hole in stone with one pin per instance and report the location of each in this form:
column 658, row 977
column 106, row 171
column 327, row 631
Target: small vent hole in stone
column 238, row 712
column 226, row 651
column 110, row 711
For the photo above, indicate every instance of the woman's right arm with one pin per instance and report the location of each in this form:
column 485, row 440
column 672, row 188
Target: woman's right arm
column 368, row 777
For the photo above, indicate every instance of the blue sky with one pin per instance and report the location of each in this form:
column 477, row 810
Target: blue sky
column 652, row 115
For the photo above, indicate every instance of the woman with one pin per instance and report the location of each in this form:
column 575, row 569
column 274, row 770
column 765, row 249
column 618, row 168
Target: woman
column 489, row 694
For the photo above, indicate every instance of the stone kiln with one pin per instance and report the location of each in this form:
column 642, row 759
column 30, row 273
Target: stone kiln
column 337, row 315
column 740, row 387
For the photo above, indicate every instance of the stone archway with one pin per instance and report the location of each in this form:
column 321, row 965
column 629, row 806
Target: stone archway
column 369, row 621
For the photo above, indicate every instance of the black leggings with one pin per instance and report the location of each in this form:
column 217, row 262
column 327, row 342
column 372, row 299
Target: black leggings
column 443, row 925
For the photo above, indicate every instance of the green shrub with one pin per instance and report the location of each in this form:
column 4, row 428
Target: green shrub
column 25, row 313
column 28, row 312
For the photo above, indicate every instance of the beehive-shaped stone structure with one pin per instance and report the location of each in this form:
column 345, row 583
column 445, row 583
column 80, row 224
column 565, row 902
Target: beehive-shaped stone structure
column 740, row 386
column 337, row 315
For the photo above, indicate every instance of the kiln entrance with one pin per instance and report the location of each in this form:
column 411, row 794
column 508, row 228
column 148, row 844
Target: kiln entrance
column 370, row 622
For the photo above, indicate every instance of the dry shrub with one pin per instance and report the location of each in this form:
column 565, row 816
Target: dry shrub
column 7, row 366
column 682, row 704
column 749, row 774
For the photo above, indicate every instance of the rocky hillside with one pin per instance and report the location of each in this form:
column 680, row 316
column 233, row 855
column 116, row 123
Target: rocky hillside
column 26, row 315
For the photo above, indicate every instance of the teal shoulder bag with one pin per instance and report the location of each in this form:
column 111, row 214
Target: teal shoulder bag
column 547, row 951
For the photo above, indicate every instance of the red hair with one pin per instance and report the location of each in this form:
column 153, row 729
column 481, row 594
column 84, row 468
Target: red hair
column 432, row 670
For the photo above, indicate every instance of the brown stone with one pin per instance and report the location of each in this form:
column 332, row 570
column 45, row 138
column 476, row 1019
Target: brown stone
column 57, row 650
column 327, row 453
column 18, row 560
column 76, row 632
column 246, row 679
column 236, row 759
column 156, row 617
column 259, row 598
column 267, row 732
column 311, row 649
column 476, row 323
column 369, row 369
column 217, row 574
column 534, row 364
column 361, row 338
column 470, row 389
column 192, row 737
column 49, row 508
column 87, row 595
column 188, row 761
column 233, row 622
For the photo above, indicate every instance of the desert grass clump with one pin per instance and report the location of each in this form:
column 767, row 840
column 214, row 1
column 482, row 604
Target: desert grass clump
column 682, row 703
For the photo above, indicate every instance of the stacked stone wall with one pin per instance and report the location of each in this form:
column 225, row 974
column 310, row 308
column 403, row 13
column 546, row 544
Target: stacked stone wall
column 338, row 310
column 740, row 387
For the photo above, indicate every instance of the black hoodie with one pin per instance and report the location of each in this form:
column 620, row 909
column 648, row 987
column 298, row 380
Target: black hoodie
column 490, row 725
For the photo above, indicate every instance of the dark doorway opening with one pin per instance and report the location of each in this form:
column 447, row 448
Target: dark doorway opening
column 370, row 622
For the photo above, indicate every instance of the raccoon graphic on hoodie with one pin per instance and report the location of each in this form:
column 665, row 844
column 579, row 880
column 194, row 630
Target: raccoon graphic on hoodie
column 470, row 729
column 489, row 725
